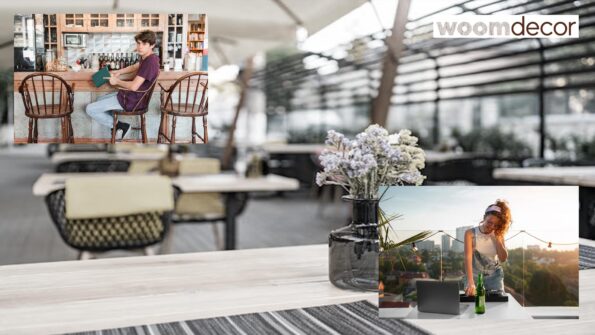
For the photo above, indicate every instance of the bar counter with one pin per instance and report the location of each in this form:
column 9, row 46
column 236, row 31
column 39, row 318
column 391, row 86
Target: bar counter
column 85, row 129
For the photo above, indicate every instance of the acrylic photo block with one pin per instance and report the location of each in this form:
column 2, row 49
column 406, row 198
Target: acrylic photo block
column 523, row 240
column 57, row 99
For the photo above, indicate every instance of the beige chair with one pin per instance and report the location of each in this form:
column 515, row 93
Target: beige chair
column 143, row 166
column 199, row 207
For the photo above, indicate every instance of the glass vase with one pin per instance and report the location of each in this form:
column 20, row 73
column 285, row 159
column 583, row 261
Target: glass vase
column 354, row 249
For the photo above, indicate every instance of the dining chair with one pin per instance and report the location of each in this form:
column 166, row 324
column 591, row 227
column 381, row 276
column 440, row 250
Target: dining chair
column 98, row 165
column 92, row 215
column 48, row 96
column 139, row 109
column 186, row 98
column 194, row 208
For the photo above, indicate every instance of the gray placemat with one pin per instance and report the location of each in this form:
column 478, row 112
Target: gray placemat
column 586, row 257
column 354, row 318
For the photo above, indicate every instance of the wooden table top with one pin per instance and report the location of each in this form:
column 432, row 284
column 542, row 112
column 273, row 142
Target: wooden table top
column 221, row 183
column 294, row 148
column 84, row 83
column 440, row 157
column 571, row 175
column 108, row 293
column 75, row 296
column 62, row 157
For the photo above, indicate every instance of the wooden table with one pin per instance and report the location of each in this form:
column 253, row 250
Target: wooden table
column 581, row 176
column 232, row 186
column 119, row 292
column 68, row 157
column 77, row 296
column 572, row 175
column 440, row 157
column 294, row 148
column 494, row 311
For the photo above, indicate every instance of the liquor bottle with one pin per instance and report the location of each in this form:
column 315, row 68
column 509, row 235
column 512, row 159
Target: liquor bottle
column 122, row 61
column 480, row 296
column 112, row 62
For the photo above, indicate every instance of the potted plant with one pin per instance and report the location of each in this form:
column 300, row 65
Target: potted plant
column 374, row 158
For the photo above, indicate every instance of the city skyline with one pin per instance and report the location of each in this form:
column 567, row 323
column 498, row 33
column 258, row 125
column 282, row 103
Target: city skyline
column 548, row 212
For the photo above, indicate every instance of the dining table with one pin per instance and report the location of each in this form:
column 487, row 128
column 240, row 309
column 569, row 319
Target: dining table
column 69, row 157
column 556, row 175
column 77, row 296
column 234, row 188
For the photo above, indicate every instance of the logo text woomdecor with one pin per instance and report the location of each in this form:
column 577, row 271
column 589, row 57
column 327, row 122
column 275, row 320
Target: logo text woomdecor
column 506, row 26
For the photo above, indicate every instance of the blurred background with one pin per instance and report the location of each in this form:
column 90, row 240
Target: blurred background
column 284, row 72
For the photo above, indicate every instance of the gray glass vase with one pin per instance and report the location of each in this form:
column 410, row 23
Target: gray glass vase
column 354, row 249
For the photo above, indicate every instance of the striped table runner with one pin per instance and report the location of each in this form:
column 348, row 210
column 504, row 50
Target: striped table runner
column 354, row 318
column 586, row 258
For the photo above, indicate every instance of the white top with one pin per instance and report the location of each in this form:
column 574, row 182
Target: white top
column 484, row 244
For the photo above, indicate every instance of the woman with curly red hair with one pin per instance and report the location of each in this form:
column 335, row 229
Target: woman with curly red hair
column 485, row 249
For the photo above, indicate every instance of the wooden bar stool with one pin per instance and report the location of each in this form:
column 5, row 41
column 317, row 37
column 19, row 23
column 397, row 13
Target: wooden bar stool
column 194, row 85
column 138, row 110
column 35, row 90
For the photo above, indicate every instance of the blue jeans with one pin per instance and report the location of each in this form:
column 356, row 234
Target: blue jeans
column 101, row 110
column 492, row 281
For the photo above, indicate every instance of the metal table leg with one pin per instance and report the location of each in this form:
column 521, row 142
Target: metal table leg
column 232, row 205
column 587, row 212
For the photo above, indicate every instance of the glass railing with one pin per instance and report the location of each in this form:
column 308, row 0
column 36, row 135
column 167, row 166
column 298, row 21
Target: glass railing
column 536, row 273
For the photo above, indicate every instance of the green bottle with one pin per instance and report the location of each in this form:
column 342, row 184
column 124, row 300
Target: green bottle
column 480, row 296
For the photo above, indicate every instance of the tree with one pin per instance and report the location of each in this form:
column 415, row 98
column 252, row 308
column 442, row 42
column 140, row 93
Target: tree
column 425, row 256
column 546, row 289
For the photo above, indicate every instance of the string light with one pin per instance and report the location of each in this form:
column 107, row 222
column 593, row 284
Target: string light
column 549, row 243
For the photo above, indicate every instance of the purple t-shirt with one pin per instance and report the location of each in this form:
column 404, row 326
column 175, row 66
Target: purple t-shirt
column 148, row 69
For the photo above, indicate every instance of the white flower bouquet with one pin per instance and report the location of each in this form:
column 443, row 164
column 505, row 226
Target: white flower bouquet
column 373, row 159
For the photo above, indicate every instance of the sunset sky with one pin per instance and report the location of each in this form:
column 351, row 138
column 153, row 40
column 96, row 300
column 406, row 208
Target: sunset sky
column 548, row 212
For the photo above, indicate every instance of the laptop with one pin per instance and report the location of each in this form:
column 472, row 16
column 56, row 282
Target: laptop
column 435, row 296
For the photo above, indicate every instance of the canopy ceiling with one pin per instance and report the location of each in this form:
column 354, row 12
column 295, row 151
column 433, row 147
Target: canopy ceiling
column 237, row 28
